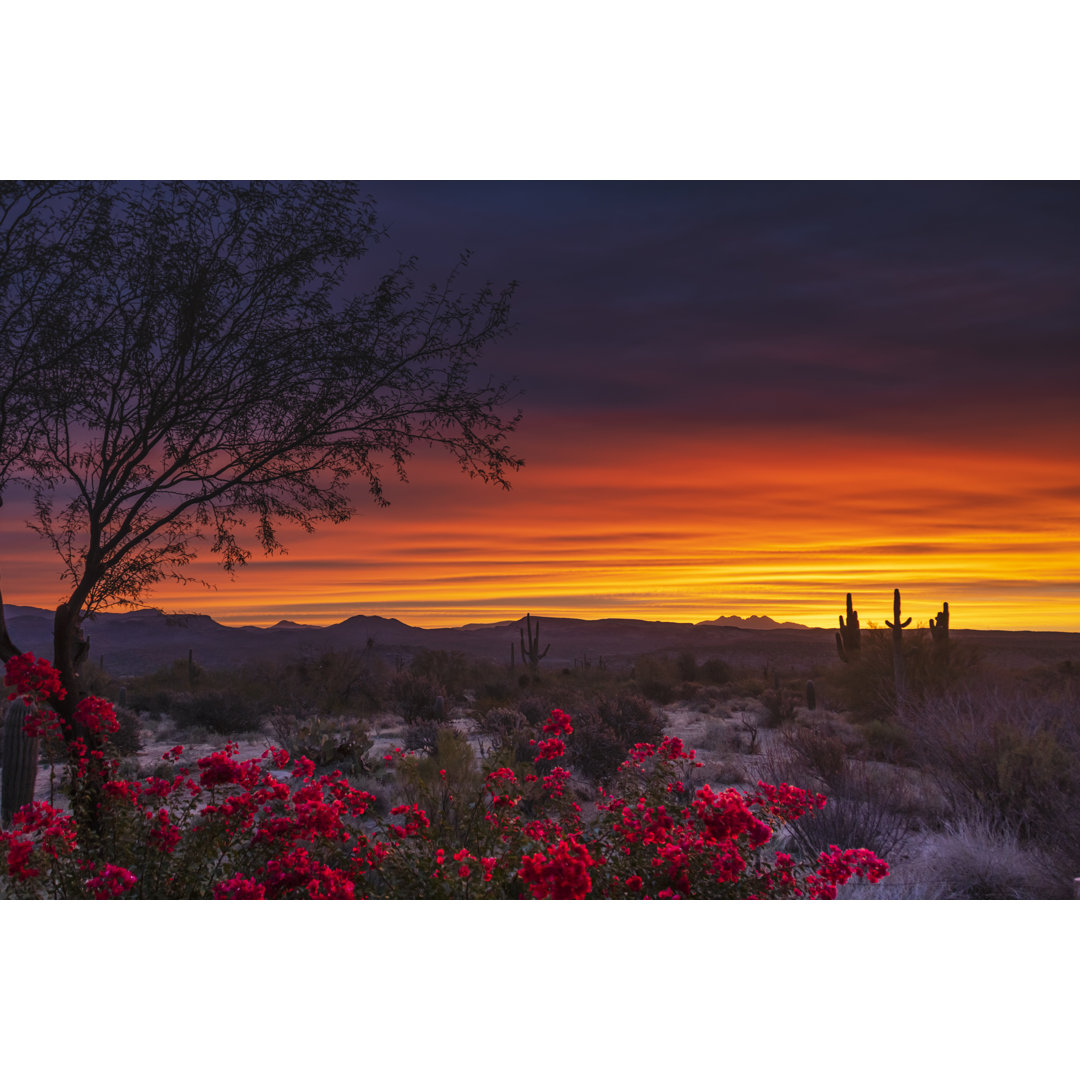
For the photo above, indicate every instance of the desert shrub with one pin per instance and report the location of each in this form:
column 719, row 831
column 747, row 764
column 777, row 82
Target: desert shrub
column 448, row 670
column 686, row 666
column 822, row 754
column 536, row 708
column 352, row 683
column 509, row 731
column 496, row 691
column 596, row 750
column 715, row 672
column 153, row 700
column 343, row 742
column 976, row 858
column 417, row 697
column 720, row 736
column 605, row 731
column 886, row 740
column 442, row 783
column 859, row 814
column 867, row 686
column 218, row 711
column 780, row 704
column 1015, row 758
column 657, row 678
column 864, row 806
column 127, row 739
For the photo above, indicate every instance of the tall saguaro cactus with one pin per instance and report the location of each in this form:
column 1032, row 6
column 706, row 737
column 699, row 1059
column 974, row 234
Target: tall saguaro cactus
column 898, row 645
column 20, row 762
column 848, row 637
column 531, row 653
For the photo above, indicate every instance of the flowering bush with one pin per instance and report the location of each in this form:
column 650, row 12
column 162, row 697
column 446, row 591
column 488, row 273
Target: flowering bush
column 270, row 828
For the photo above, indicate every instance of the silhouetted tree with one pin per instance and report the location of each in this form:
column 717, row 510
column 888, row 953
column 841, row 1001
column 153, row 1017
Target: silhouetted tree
column 188, row 363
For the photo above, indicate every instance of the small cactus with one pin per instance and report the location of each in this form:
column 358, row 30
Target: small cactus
column 811, row 695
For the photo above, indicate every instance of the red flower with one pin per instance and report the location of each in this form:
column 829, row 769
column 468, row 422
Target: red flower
column 550, row 749
column 97, row 715
column 239, row 888
column 111, row 883
column 561, row 874
column 164, row 835
column 18, row 859
column 559, row 724
column 36, row 680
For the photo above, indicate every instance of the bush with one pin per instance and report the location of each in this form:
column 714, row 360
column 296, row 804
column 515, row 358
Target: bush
column 779, row 705
column 418, row 697
column 867, row 686
column 342, row 742
column 657, row 678
column 1015, row 758
column 509, row 731
column 858, row 814
column 127, row 740
column 975, row 858
column 715, row 672
column 604, row 733
column 219, row 711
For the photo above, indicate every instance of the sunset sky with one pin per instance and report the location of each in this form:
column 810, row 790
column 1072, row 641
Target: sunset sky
column 739, row 398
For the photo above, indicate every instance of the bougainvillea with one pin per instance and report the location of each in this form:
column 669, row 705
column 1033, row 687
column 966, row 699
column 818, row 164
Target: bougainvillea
column 238, row 831
column 34, row 680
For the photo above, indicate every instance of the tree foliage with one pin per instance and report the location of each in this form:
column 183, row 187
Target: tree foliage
column 185, row 360
column 190, row 364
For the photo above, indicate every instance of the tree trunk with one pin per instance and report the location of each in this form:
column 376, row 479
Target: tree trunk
column 70, row 650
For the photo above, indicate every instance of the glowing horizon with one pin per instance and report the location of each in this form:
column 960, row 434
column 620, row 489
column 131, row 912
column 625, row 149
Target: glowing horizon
column 681, row 527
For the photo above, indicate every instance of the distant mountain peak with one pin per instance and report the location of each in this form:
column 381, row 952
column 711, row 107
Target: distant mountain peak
column 752, row 622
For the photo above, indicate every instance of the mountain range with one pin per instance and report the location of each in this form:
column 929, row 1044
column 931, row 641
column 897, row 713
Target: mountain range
column 138, row 642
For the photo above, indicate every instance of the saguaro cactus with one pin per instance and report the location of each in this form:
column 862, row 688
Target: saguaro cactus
column 848, row 640
column 897, row 644
column 939, row 628
column 20, row 762
column 531, row 653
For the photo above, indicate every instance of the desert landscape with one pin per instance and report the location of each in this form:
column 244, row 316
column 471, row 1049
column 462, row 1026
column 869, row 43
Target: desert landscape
column 965, row 785
column 645, row 460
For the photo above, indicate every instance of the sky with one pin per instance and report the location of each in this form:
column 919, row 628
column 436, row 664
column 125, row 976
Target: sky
column 739, row 398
